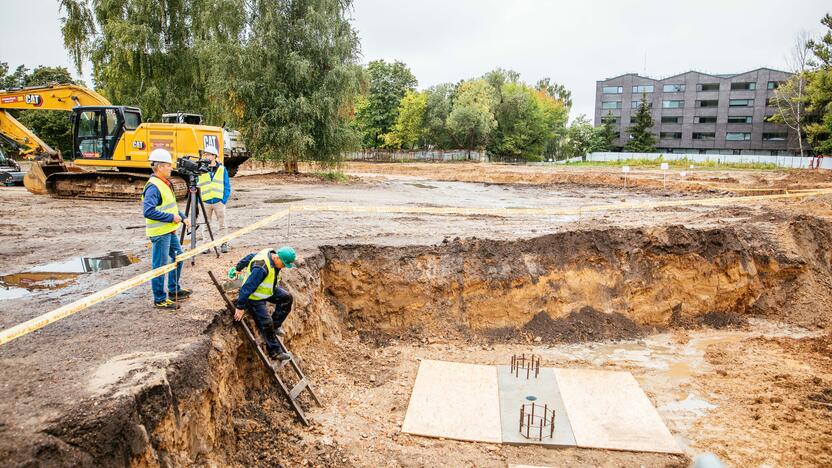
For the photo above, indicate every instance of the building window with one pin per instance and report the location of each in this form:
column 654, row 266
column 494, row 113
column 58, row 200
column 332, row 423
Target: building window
column 750, row 86
column 737, row 136
column 774, row 84
column 611, row 105
column 771, row 102
column 741, row 103
column 635, row 104
column 774, row 136
column 610, row 120
column 643, row 89
column 703, row 119
column 675, row 119
column 703, row 135
column 673, row 104
column 742, row 120
column 674, row 88
column 612, row 89
column 670, row 135
column 708, row 103
column 707, row 87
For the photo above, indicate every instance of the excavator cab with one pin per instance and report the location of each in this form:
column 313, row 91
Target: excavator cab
column 96, row 130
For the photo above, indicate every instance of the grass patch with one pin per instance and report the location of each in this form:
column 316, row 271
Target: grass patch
column 675, row 164
column 331, row 176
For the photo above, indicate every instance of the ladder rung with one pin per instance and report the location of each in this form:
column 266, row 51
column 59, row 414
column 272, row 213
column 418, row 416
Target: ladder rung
column 298, row 388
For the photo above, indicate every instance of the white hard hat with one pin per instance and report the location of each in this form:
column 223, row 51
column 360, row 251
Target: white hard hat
column 161, row 155
column 211, row 149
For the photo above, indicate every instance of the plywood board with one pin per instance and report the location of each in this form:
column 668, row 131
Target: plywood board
column 609, row 410
column 513, row 393
column 455, row 401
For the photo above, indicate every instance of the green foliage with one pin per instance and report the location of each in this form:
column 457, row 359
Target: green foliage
column 604, row 135
column 331, row 176
column 53, row 127
column 579, row 138
column 471, row 120
column 822, row 48
column 641, row 139
column 819, row 96
column 439, row 101
column 410, row 123
column 555, row 90
column 376, row 112
column 521, row 123
column 292, row 83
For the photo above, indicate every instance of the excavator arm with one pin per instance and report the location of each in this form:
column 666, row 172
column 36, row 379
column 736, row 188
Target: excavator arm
column 61, row 97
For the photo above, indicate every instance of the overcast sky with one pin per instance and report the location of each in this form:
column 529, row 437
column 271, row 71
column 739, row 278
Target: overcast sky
column 573, row 42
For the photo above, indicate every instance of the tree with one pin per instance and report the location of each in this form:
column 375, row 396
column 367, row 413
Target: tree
column 604, row 135
column 155, row 55
column 557, row 91
column 291, row 86
column 409, row 128
column 819, row 93
column 471, row 120
column 377, row 111
column 579, row 137
column 439, row 101
column 521, row 124
column 555, row 115
column 790, row 97
column 641, row 140
column 53, row 127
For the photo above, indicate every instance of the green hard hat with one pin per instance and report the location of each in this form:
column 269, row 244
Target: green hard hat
column 287, row 256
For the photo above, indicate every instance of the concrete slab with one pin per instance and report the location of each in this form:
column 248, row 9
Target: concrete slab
column 455, row 401
column 513, row 393
column 609, row 410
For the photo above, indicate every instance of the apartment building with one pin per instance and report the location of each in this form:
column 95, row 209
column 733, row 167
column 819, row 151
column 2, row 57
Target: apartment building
column 697, row 112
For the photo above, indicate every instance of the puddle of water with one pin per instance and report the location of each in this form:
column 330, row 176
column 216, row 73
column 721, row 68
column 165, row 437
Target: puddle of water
column 418, row 185
column 691, row 404
column 57, row 275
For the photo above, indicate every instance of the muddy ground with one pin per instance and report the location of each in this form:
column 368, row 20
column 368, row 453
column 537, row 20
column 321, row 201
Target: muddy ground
column 721, row 313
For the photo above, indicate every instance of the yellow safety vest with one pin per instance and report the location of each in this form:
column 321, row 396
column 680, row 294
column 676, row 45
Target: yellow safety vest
column 211, row 188
column 167, row 205
column 266, row 289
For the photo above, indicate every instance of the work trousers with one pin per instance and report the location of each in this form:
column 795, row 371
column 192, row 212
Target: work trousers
column 220, row 229
column 165, row 248
column 268, row 323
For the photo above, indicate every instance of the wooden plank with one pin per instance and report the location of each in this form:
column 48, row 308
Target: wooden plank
column 609, row 410
column 513, row 393
column 454, row 401
column 299, row 387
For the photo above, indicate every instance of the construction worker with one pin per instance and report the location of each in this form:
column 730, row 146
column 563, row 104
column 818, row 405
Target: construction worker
column 214, row 189
column 261, row 271
column 162, row 218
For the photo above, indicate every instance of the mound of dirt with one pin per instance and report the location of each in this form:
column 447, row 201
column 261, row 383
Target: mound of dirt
column 586, row 324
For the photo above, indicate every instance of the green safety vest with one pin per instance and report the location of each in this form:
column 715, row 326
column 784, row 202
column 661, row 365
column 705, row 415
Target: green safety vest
column 266, row 289
column 155, row 228
column 211, row 188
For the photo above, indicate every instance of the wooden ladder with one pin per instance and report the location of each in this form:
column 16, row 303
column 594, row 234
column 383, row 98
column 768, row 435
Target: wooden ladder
column 272, row 368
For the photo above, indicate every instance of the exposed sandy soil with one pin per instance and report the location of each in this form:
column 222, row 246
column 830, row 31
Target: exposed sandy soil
column 122, row 384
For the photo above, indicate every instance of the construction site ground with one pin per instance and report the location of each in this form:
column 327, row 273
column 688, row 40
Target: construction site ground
column 720, row 312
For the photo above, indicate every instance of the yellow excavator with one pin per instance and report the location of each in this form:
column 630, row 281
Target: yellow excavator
column 110, row 144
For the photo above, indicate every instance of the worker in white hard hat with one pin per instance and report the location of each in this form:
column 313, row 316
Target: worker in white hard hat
column 215, row 189
column 162, row 218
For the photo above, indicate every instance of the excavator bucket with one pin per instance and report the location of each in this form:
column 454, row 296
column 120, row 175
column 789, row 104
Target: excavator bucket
column 35, row 179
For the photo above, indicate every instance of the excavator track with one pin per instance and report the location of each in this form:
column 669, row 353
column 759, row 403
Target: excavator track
column 105, row 185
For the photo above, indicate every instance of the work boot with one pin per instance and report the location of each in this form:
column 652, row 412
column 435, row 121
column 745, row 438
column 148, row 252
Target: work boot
column 166, row 304
column 224, row 248
column 181, row 294
column 279, row 355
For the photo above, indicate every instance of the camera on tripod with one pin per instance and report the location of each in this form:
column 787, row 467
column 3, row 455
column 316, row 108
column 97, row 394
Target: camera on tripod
column 193, row 167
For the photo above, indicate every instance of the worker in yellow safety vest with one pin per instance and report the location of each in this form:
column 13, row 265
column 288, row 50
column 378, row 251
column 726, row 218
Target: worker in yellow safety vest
column 215, row 190
column 261, row 272
column 162, row 218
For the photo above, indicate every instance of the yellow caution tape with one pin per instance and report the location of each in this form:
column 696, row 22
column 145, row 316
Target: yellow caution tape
column 41, row 321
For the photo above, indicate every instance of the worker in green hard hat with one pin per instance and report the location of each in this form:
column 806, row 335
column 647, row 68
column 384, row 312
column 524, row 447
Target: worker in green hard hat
column 261, row 274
